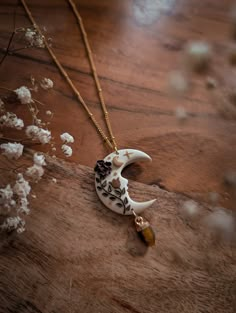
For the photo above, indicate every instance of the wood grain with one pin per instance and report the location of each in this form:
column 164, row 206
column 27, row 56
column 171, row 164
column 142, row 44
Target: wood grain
column 136, row 44
column 77, row 256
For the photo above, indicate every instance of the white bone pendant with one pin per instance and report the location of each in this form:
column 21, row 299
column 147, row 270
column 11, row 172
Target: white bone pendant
column 112, row 188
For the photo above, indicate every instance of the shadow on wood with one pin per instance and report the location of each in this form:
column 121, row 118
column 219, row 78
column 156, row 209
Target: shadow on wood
column 77, row 256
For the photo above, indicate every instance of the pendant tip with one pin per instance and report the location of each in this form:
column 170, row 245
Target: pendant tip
column 145, row 231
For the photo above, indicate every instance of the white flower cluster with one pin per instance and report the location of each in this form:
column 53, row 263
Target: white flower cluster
column 15, row 198
column 12, row 223
column 35, row 132
column 198, row 55
column 24, row 95
column 6, row 199
column 34, row 38
column 190, row 209
column 12, row 150
column 36, row 171
column 39, row 159
column 222, row 222
column 67, row 138
column 11, row 120
column 22, row 189
column 67, row 150
column 46, row 83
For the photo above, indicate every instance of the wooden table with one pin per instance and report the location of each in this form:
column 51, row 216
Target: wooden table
column 75, row 255
column 136, row 44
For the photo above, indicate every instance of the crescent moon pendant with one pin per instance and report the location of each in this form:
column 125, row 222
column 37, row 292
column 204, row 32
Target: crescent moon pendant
column 112, row 187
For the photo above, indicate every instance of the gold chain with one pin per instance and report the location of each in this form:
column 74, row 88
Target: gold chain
column 109, row 141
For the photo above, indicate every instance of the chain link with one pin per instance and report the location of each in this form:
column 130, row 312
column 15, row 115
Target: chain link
column 109, row 141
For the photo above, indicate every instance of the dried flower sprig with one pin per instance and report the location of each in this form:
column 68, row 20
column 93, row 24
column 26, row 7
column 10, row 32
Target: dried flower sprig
column 30, row 35
column 14, row 202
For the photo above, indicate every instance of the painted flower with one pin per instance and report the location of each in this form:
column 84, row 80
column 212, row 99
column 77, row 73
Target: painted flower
column 116, row 182
column 102, row 168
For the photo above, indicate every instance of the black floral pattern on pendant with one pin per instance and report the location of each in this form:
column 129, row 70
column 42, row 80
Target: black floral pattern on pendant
column 102, row 168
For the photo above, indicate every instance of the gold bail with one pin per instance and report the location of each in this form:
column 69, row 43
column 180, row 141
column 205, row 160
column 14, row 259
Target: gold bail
column 144, row 230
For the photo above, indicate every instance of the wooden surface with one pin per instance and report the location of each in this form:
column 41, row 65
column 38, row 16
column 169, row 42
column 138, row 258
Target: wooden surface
column 136, row 44
column 77, row 256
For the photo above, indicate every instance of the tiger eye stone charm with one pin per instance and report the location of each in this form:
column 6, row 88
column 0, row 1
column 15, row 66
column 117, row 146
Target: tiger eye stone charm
column 145, row 231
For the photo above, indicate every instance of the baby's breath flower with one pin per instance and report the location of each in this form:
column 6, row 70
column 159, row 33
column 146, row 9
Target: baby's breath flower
column 67, row 138
column 6, row 199
column 39, row 159
column 46, row 83
column 44, row 135
column 21, row 227
column 29, row 35
column 35, row 172
column 12, row 150
column 12, row 223
column 11, row 120
column 24, row 95
column 49, row 113
column 18, row 123
column 39, row 41
column 31, row 131
column 190, row 209
column 35, row 132
column 67, row 150
column 23, row 206
column 38, row 121
column 22, row 187
column 35, row 39
column 222, row 222
column 198, row 55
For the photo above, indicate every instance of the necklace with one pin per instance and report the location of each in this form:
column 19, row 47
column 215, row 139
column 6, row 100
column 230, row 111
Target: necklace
column 111, row 187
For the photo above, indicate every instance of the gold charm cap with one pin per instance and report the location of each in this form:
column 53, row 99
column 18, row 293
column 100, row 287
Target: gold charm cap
column 144, row 230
